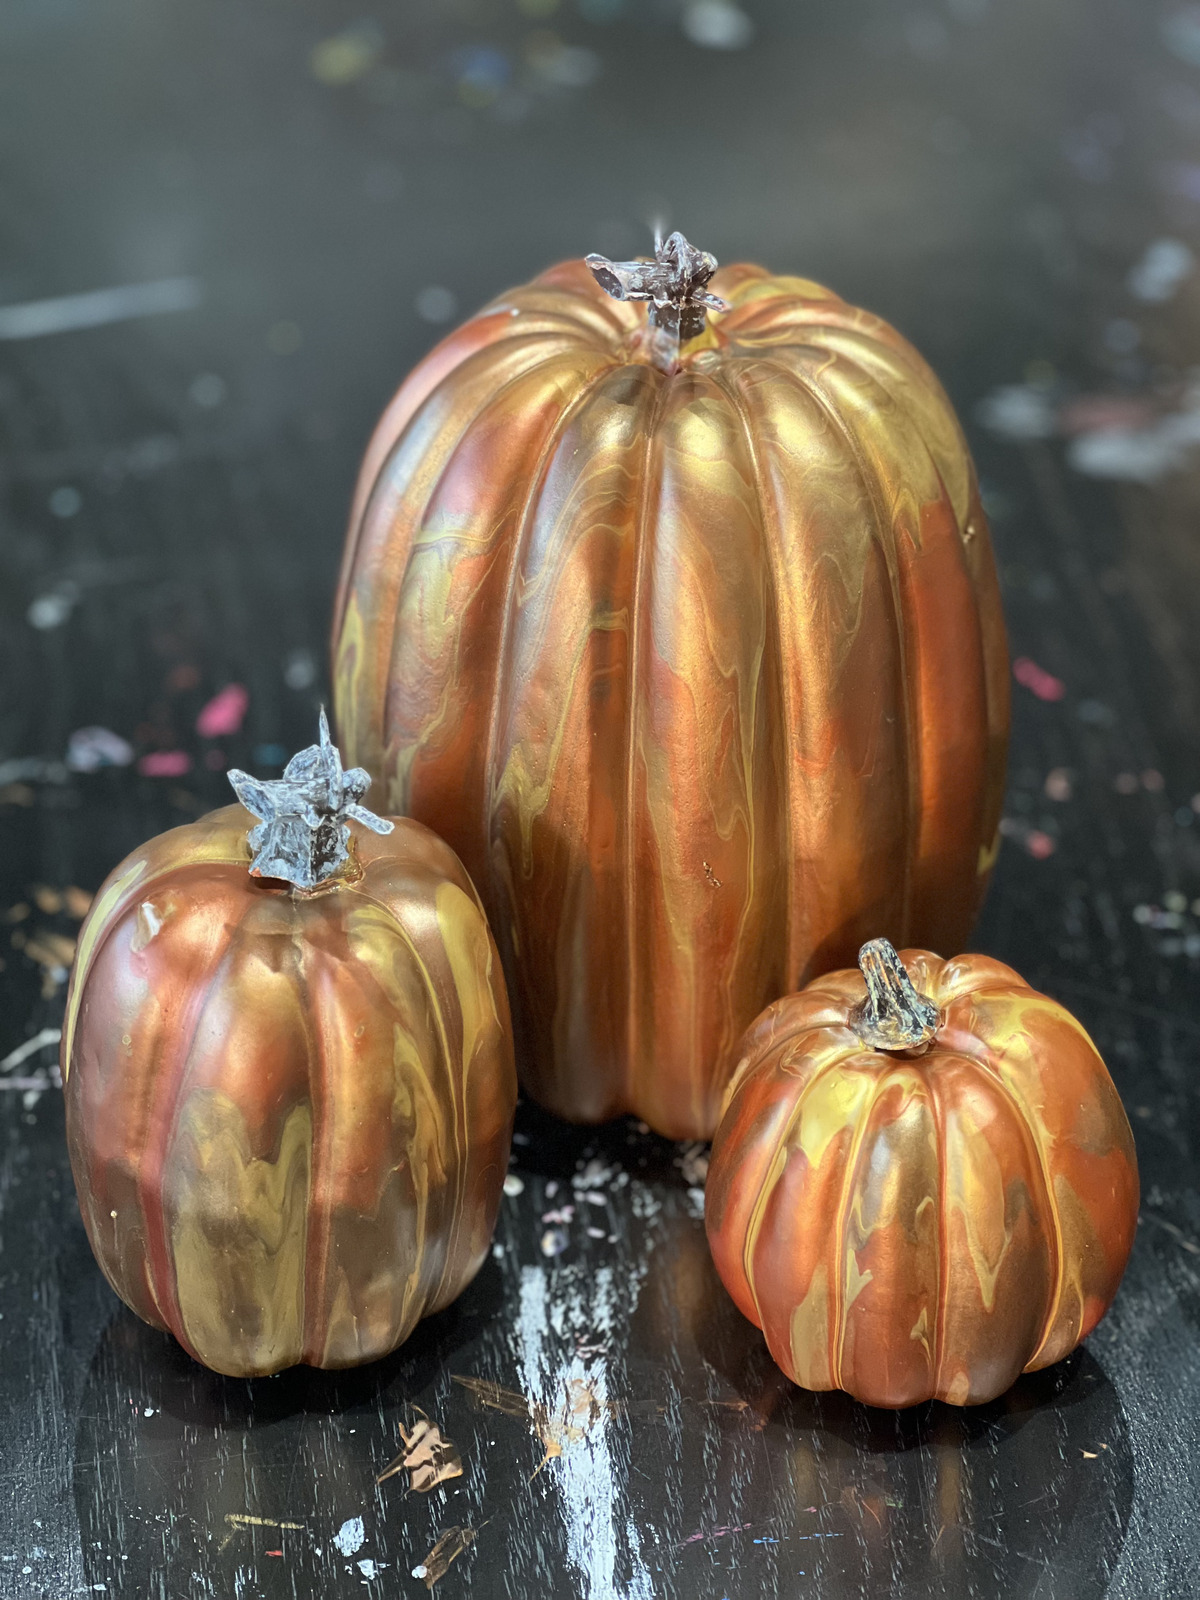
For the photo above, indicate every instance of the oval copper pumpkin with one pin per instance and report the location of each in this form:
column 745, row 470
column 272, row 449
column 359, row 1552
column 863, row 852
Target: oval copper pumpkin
column 288, row 1114
column 908, row 1226
column 701, row 672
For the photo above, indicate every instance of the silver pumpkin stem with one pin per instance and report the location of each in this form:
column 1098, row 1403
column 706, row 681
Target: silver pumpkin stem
column 894, row 1016
column 303, row 836
column 674, row 283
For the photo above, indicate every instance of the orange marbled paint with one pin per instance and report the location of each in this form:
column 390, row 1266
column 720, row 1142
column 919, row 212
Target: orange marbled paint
column 288, row 1114
column 703, row 675
column 927, row 1227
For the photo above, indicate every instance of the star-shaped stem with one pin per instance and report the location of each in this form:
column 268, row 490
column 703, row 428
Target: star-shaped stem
column 303, row 834
column 674, row 283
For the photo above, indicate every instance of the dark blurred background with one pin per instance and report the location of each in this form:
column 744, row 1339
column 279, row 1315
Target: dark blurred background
column 227, row 230
column 282, row 206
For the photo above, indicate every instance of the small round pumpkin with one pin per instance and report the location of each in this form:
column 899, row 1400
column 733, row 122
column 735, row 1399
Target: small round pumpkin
column 683, row 628
column 923, row 1184
column 289, row 1079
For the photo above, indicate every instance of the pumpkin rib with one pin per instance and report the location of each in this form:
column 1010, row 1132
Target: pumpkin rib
column 395, row 424
column 903, row 371
column 314, row 1331
column 444, row 1051
column 1026, row 1122
column 915, row 892
column 921, row 883
column 642, row 562
column 171, row 1079
column 456, row 1088
column 710, row 765
column 459, row 577
column 985, row 587
column 886, row 541
column 767, row 1187
column 371, row 565
column 943, row 1243
column 412, row 1305
column 886, row 529
column 936, row 890
column 768, row 521
column 416, row 514
column 112, row 917
column 977, row 563
column 518, row 544
column 845, row 1199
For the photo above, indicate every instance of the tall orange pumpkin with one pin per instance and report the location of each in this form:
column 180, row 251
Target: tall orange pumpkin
column 923, row 1185
column 697, row 661
column 289, row 1094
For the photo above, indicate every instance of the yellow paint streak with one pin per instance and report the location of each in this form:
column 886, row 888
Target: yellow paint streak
column 238, row 1235
column 988, row 854
column 835, row 1101
column 856, row 1281
column 356, row 732
column 810, row 1334
column 465, row 938
column 529, row 772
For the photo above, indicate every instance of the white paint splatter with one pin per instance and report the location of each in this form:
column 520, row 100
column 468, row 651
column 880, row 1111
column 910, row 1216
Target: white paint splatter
column 350, row 1536
column 1018, row 411
column 717, row 25
column 563, row 1350
column 35, row 318
column 1139, row 455
column 89, row 749
column 31, row 1047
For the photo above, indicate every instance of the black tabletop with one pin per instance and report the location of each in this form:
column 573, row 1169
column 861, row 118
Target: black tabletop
column 226, row 231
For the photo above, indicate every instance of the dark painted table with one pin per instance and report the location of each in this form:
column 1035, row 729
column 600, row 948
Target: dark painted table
column 313, row 188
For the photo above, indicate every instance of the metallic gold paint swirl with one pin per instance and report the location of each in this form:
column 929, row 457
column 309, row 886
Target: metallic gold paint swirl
column 703, row 676
column 288, row 1115
column 909, row 1229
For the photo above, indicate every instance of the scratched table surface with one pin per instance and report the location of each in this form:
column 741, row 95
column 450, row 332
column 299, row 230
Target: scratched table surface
column 270, row 209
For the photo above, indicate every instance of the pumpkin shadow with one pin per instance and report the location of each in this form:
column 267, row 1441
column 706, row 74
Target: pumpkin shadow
column 931, row 1493
column 195, row 1396
column 178, row 1468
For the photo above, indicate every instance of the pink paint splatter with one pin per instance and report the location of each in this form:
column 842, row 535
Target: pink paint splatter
column 224, row 713
column 1037, row 680
column 165, row 764
column 714, row 1533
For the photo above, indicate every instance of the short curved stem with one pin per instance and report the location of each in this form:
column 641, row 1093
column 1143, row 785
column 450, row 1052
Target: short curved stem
column 894, row 1015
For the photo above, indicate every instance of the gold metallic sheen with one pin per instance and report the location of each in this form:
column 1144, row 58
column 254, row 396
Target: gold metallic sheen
column 703, row 675
column 914, row 1229
column 288, row 1114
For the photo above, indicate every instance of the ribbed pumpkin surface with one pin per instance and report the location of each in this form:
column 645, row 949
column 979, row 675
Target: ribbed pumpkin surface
column 702, row 675
column 288, row 1115
column 906, row 1229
